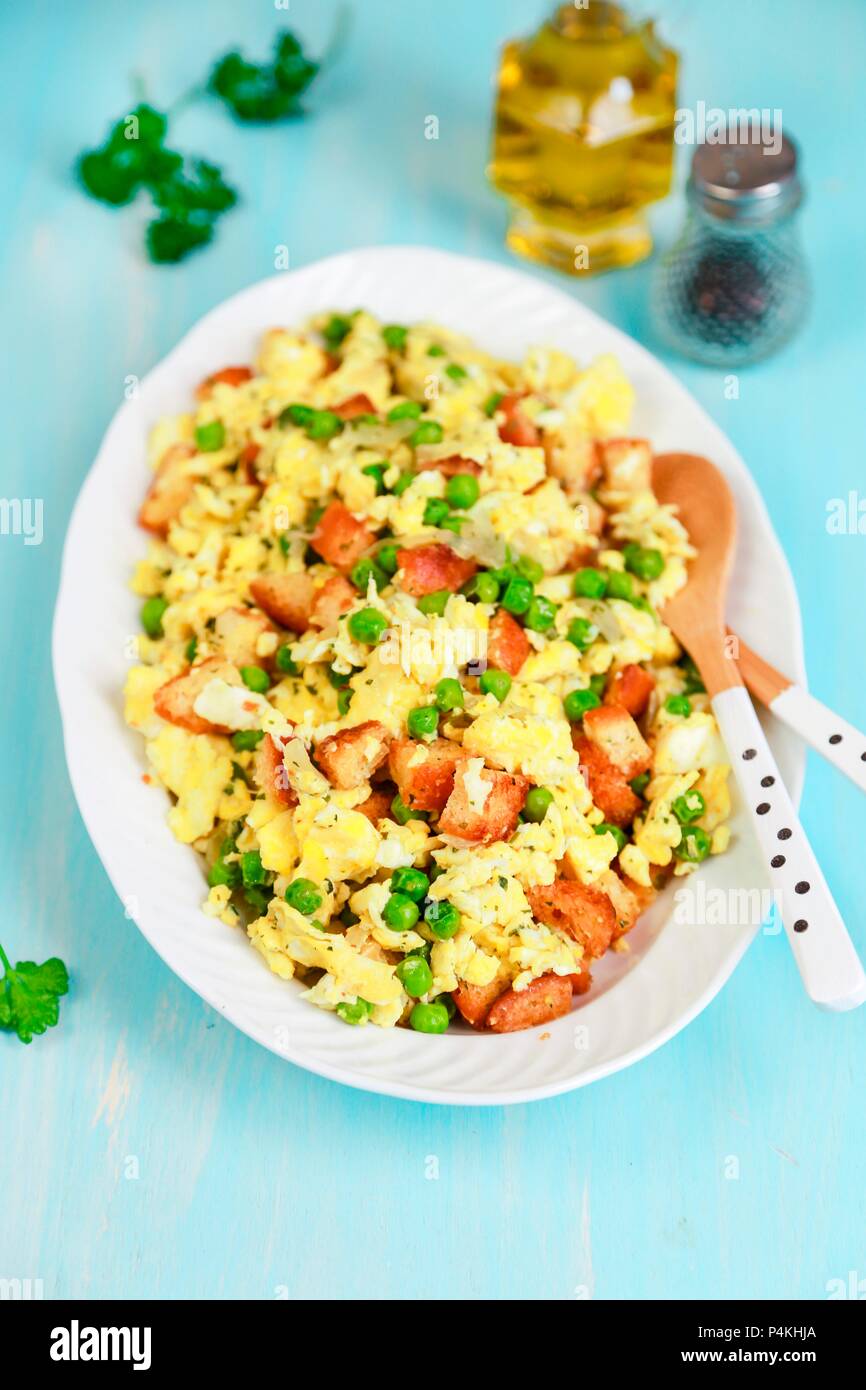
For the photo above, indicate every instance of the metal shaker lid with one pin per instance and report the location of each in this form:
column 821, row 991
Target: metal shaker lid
column 747, row 175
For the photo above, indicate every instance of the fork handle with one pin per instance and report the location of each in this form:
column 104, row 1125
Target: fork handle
column 828, row 963
column 831, row 736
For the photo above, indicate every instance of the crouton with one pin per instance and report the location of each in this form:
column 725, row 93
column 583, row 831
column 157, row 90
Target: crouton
column 238, row 631
column 339, row 537
column 612, row 730
column 174, row 701
column 626, row 905
column 170, row 490
column 582, row 911
column 229, row 376
column 630, row 687
column 353, row 755
column 377, row 805
column 270, row 773
column 542, row 1001
column 335, row 598
column 627, row 464
column 581, row 980
column 354, row 406
column 287, row 598
column 465, row 817
column 573, row 458
column 516, row 428
column 507, row 643
column 608, row 787
column 424, row 772
column 452, row 465
column 474, row 1001
column 428, row 568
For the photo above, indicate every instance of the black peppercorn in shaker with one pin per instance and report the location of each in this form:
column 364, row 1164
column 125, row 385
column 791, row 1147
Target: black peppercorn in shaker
column 734, row 287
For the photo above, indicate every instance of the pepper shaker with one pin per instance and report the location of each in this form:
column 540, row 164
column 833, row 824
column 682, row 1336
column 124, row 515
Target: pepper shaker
column 734, row 287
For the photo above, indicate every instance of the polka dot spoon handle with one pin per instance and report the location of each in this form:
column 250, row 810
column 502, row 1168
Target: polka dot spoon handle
column 825, row 955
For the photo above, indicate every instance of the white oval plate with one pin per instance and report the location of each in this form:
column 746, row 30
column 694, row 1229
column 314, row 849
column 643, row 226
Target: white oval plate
column 673, row 968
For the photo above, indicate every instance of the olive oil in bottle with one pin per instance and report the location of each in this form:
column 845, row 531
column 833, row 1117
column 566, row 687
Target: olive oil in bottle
column 583, row 137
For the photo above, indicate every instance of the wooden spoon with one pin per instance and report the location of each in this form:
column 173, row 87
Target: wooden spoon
column 825, row 956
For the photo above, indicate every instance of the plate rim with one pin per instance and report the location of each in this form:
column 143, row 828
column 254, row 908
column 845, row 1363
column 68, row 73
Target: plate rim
column 344, row 1074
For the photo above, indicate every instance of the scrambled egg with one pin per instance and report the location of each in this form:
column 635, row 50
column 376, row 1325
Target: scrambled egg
column 391, row 579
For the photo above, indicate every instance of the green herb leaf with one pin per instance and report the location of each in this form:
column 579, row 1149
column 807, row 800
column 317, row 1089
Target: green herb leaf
column 29, row 995
column 264, row 91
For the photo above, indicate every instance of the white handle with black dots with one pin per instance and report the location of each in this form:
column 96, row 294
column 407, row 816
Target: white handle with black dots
column 834, row 738
column 825, row 955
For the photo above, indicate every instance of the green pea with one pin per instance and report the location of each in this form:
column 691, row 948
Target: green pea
column 423, row 721
column 284, row 661
column 344, row 700
column 303, row 895
column 493, row 402
column 386, row 559
column 452, row 523
column 693, row 684
column 589, row 583
column 223, row 875
column 449, row 694
column 443, row 919
column 484, row 586
column 435, row 511
column 405, row 480
column 324, row 425
column 400, row 811
column 582, row 633
column 338, row 679
column 694, row 846
column 537, row 803
column 151, row 616
column 377, row 471
column 577, row 702
column 395, row 336
column 258, row 898
column 647, row 564
column 255, row 678
column 401, row 912
column 285, row 544
column 518, row 596
column 640, row 783
column 368, row 626
column 336, row 329
column 448, row 1004
column 210, row 437
column 362, row 572
column 358, row 421
column 406, row 410
column 413, row 883
column 247, row 740
column 605, row 828
column 190, row 649
column 455, row 371
column 462, row 491
column 433, row 605
column 540, row 614
column 679, row 704
column 415, row 976
column 429, row 1018
column 620, row 585
column 530, row 569
column 428, row 432
column 597, row 684
column 252, row 871
column 354, row 1013
column 688, row 807
column 434, row 350
column 493, row 682
column 301, row 415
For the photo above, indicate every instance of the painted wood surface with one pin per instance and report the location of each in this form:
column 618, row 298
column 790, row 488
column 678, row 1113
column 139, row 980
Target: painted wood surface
column 147, row 1148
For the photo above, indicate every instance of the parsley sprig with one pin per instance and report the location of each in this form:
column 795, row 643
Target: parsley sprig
column 30, row 994
column 190, row 194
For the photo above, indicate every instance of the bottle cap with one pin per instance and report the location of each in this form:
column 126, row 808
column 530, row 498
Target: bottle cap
column 749, row 177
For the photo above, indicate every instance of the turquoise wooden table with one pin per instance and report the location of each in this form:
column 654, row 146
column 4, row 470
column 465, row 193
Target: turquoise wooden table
column 150, row 1150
